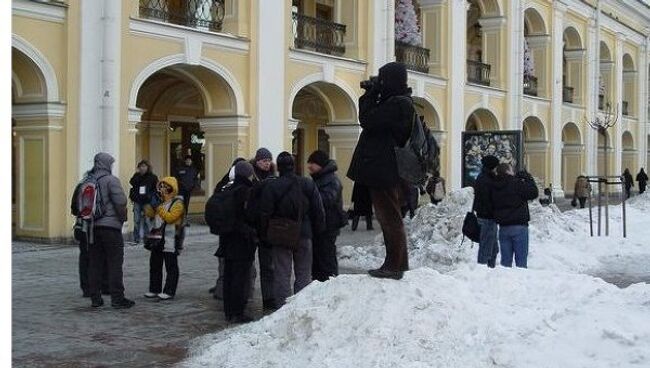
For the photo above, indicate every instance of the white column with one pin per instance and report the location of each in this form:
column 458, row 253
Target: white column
column 515, row 65
column 591, row 97
column 272, row 49
column 615, row 133
column 383, row 29
column 642, row 106
column 556, row 102
column 457, row 80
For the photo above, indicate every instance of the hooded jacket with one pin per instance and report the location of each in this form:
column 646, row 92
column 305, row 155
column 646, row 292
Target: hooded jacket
column 331, row 194
column 113, row 199
column 483, row 201
column 642, row 177
column 510, row 198
column 240, row 244
column 169, row 212
column 386, row 115
column 143, row 186
column 187, row 177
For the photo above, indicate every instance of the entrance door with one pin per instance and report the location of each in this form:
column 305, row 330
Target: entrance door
column 187, row 139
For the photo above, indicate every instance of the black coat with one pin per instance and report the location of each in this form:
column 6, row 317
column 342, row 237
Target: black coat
column 483, row 187
column 510, row 199
column 188, row 178
column 629, row 181
column 241, row 244
column 385, row 124
column 642, row 178
column 148, row 181
column 331, row 193
column 280, row 200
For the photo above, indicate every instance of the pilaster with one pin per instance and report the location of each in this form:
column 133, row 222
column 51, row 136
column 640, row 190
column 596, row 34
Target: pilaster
column 555, row 124
column 457, row 80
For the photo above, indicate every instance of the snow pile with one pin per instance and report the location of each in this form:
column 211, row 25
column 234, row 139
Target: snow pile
column 467, row 318
column 640, row 202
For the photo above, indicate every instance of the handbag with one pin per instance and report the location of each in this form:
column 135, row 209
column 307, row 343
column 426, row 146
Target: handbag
column 155, row 240
column 471, row 227
column 285, row 232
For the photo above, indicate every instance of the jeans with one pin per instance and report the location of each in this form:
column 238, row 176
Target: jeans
column 488, row 247
column 387, row 208
column 156, row 272
column 284, row 259
column 106, row 253
column 140, row 223
column 514, row 241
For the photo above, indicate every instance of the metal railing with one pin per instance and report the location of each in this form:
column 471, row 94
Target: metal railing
column 530, row 86
column 201, row 14
column 625, row 108
column 318, row 35
column 416, row 58
column 567, row 94
column 478, row 72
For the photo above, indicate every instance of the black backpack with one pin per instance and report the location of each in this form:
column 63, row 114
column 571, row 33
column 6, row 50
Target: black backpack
column 471, row 227
column 220, row 211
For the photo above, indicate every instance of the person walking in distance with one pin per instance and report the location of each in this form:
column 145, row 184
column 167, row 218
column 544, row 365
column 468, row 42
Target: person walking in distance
column 386, row 116
column 187, row 177
column 362, row 206
column 628, row 181
column 108, row 245
column 296, row 199
column 323, row 172
column 642, row 179
column 488, row 246
column 510, row 198
column 581, row 190
column 143, row 186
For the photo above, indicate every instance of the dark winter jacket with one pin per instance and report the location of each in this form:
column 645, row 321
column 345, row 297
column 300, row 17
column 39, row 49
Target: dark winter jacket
column 510, row 198
column 410, row 196
column 629, row 181
column 386, row 125
column 113, row 199
column 145, row 181
column 188, row 178
column 330, row 189
column 280, row 200
column 241, row 244
column 362, row 200
column 259, row 182
column 642, row 177
column 483, row 187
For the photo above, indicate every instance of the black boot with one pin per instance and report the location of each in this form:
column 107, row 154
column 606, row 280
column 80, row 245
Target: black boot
column 97, row 301
column 123, row 303
column 355, row 223
column 385, row 274
column 242, row 318
column 369, row 223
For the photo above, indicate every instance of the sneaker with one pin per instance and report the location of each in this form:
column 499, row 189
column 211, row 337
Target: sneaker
column 163, row 296
column 123, row 303
column 97, row 302
column 385, row 274
column 150, row 295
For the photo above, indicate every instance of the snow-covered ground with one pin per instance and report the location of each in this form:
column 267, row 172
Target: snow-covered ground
column 449, row 312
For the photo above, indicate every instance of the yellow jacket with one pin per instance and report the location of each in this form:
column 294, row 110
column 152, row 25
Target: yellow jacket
column 173, row 215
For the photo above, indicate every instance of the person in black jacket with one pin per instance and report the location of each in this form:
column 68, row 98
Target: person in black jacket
column 188, row 179
column 143, row 186
column 239, row 247
column 488, row 247
column 323, row 171
column 386, row 115
column 282, row 198
column 629, row 182
column 362, row 206
column 642, row 178
column 510, row 199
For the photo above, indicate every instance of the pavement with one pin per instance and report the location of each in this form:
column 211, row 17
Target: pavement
column 54, row 326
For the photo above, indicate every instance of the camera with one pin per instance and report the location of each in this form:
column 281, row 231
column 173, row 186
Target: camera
column 371, row 83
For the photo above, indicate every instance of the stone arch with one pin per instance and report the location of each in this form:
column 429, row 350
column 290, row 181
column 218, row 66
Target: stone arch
column 534, row 23
column 535, row 147
column 481, row 119
column 573, row 56
column 41, row 63
column 320, row 78
column 572, row 156
column 487, row 8
column 425, row 108
column 571, row 134
column 627, row 141
column 572, row 39
column 605, row 53
column 628, row 63
column 629, row 155
column 534, row 130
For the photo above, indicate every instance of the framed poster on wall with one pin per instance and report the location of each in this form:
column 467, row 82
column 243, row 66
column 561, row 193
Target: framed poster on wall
column 506, row 145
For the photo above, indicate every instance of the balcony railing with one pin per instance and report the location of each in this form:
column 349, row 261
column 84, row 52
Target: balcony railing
column 202, row 14
column 416, row 58
column 625, row 109
column 478, row 72
column 318, row 35
column 601, row 102
column 567, row 94
column 530, row 86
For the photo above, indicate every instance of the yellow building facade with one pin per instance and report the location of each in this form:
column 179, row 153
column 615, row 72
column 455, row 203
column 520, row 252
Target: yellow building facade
column 216, row 79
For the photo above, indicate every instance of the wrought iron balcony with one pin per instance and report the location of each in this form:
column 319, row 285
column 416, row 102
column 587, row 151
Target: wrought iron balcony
column 318, row 35
column 567, row 94
column 530, row 86
column 625, row 109
column 601, row 102
column 478, row 72
column 202, row 14
column 416, row 58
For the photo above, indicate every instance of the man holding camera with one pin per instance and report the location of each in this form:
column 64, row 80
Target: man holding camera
column 386, row 114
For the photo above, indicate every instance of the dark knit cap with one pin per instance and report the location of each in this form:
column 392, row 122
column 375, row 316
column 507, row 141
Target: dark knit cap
column 490, row 162
column 319, row 157
column 285, row 162
column 263, row 154
column 244, row 169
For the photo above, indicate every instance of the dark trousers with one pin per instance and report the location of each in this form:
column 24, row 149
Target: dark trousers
column 236, row 283
column 265, row 256
column 387, row 207
column 107, row 253
column 324, row 262
column 186, row 199
column 582, row 201
column 156, row 261
column 84, row 262
column 642, row 186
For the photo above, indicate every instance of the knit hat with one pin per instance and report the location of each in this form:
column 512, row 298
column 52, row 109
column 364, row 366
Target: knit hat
column 319, row 158
column 285, row 162
column 244, row 169
column 263, row 154
column 489, row 162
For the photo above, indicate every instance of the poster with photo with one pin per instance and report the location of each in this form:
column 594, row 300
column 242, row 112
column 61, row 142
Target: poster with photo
column 507, row 145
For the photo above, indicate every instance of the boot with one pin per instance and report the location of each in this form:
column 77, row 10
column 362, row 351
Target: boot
column 355, row 223
column 242, row 318
column 97, row 301
column 369, row 223
column 385, row 274
column 123, row 303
